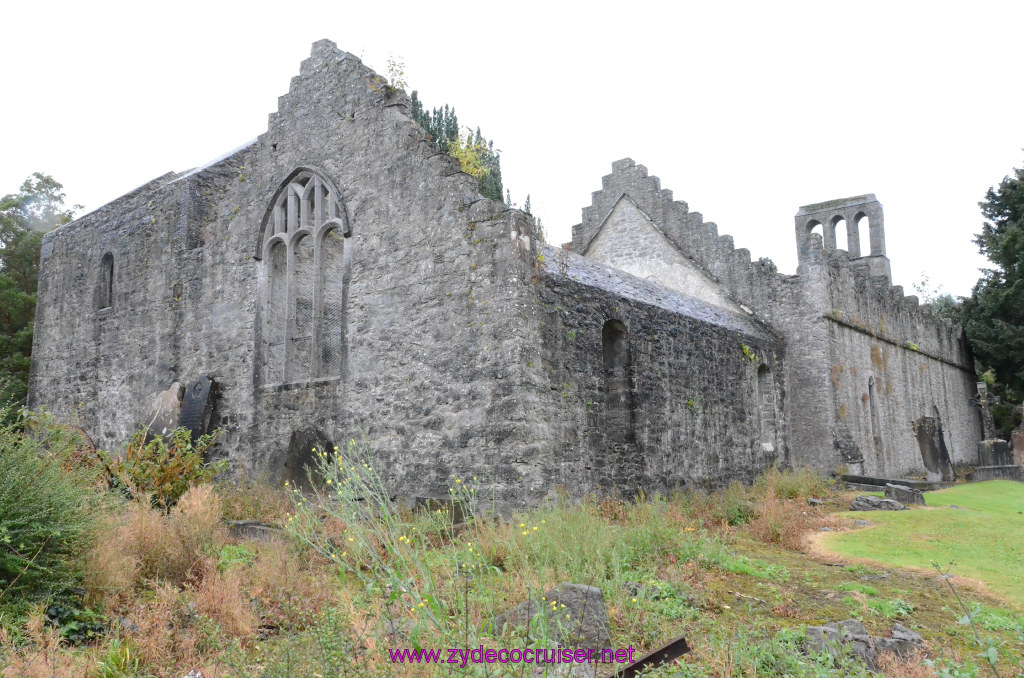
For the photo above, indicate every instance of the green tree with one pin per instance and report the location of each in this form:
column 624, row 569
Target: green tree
column 24, row 217
column 476, row 154
column 993, row 315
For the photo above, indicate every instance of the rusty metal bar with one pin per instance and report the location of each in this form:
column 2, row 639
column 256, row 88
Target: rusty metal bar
column 665, row 654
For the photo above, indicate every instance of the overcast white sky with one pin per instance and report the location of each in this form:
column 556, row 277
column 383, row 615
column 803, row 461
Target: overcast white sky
column 745, row 110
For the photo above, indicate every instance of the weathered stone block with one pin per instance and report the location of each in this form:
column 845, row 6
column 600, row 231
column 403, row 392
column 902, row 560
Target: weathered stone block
column 165, row 411
column 869, row 502
column 1017, row 444
column 851, row 637
column 994, row 452
column 904, row 494
column 576, row 616
column 982, row 473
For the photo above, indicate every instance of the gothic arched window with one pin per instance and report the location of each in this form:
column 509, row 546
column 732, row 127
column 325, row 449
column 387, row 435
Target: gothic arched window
column 304, row 275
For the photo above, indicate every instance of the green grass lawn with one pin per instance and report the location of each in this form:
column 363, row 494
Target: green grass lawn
column 985, row 538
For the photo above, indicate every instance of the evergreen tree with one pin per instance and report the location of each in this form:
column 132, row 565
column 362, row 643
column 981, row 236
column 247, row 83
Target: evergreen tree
column 24, row 217
column 993, row 315
column 476, row 155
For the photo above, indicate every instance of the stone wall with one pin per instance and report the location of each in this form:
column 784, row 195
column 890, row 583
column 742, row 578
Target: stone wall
column 918, row 364
column 706, row 389
column 430, row 305
column 338, row 278
column 814, row 313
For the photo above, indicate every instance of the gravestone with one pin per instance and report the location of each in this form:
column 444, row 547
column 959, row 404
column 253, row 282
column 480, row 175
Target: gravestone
column 197, row 406
column 164, row 412
column 1017, row 445
column 937, row 464
column 301, row 456
column 994, row 452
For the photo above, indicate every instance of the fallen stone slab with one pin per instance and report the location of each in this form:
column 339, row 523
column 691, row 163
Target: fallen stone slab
column 254, row 530
column 838, row 638
column 850, row 637
column 576, row 616
column 903, row 494
column 868, row 502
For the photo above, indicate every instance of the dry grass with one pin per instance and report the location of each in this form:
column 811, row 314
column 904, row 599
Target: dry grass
column 784, row 521
column 254, row 500
column 158, row 638
column 220, row 597
column 277, row 608
column 905, row 667
column 283, row 581
column 143, row 543
column 43, row 656
column 172, row 638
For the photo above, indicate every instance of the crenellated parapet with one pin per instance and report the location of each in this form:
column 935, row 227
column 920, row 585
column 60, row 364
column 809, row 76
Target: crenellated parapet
column 871, row 305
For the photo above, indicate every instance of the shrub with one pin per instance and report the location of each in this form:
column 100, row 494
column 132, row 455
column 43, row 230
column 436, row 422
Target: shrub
column 154, row 545
column 41, row 654
column 165, row 467
column 46, row 517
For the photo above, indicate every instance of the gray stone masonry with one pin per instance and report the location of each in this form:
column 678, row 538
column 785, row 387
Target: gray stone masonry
column 338, row 279
column 864, row 367
column 1009, row 472
column 851, row 637
column 904, row 494
column 869, row 502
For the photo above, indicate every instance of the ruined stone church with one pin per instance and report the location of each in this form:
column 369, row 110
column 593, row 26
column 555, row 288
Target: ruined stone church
column 338, row 278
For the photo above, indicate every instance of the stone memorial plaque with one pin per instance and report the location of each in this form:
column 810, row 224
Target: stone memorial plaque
column 197, row 406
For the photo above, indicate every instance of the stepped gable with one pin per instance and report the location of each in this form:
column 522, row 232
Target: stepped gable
column 713, row 254
column 334, row 85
